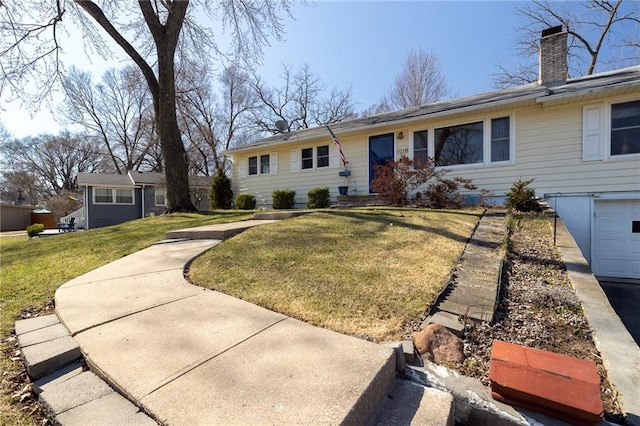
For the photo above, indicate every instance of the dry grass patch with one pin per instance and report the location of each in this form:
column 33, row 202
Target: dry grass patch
column 363, row 272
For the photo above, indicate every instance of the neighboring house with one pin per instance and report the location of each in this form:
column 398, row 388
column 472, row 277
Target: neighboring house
column 578, row 138
column 113, row 198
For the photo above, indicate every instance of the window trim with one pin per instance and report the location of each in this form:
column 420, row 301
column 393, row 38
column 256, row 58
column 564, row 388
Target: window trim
column 155, row 195
column 486, row 141
column 601, row 133
column 608, row 128
column 245, row 167
column 257, row 168
column 263, row 164
column 114, row 196
column 328, row 157
column 303, row 158
column 314, row 158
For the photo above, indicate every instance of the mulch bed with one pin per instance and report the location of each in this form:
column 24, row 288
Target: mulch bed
column 538, row 308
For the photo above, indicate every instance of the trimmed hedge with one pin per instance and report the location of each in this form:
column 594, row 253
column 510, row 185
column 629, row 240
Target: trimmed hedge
column 35, row 229
column 245, row 202
column 283, row 199
column 318, row 198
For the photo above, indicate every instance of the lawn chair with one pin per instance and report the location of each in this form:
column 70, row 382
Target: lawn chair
column 67, row 226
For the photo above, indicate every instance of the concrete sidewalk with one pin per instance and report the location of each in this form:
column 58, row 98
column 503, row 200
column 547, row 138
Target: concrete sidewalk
column 187, row 355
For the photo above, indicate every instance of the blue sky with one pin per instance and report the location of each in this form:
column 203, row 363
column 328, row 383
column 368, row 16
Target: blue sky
column 362, row 44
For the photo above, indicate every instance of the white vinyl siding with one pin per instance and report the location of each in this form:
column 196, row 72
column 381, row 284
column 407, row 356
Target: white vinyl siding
column 546, row 145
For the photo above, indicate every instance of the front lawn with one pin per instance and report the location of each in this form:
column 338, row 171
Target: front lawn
column 362, row 272
column 32, row 269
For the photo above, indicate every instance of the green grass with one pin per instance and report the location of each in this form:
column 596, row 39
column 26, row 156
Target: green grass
column 364, row 272
column 32, row 269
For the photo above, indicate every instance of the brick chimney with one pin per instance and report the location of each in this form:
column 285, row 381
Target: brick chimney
column 553, row 57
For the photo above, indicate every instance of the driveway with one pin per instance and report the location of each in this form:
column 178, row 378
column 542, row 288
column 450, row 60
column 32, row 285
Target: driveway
column 624, row 296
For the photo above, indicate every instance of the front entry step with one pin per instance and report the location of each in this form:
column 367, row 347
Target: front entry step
column 410, row 403
column 67, row 393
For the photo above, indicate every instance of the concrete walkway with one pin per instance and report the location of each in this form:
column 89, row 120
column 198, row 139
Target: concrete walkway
column 187, row 355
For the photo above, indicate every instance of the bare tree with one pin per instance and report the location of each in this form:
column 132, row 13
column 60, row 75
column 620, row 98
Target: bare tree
column 602, row 35
column 420, row 82
column 21, row 187
column 212, row 124
column 301, row 102
column 53, row 161
column 118, row 111
column 150, row 34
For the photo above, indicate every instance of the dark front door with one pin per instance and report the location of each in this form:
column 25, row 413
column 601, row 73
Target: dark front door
column 381, row 152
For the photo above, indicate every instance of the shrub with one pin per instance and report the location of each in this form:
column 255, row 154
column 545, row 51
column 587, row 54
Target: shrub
column 445, row 193
column 318, row 198
column 35, row 229
column 283, row 199
column 398, row 179
column 221, row 194
column 245, row 202
column 522, row 198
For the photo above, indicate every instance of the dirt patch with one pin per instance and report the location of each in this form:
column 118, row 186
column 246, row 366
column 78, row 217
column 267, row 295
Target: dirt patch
column 537, row 308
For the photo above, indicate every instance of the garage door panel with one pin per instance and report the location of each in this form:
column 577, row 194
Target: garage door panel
column 614, row 225
column 616, row 249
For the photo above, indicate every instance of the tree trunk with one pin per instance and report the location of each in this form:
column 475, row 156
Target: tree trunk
column 163, row 90
column 173, row 152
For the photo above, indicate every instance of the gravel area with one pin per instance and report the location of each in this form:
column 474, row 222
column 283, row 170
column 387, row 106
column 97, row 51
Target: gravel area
column 537, row 307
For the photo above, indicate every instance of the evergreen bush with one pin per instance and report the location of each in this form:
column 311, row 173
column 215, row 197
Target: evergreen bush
column 220, row 194
column 35, row 229
column 283, row 199
column 522, row 198
column 318, row 198
column 245, row 202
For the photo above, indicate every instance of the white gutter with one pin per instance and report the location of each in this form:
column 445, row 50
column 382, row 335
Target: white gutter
column 568, row 95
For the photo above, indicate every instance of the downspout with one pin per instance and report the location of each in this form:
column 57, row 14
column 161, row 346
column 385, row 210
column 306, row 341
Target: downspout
column 142, row 200
column 86, row 207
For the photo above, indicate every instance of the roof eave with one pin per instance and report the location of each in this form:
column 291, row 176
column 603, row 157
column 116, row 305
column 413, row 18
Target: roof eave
column 403, row 121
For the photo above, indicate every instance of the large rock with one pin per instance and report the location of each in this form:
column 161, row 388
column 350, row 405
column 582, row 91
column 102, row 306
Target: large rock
column 441, row 344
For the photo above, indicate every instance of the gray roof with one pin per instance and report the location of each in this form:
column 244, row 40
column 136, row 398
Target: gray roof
column 103, row 179
column 618, row 81
column 147, row 178
column 134, row 178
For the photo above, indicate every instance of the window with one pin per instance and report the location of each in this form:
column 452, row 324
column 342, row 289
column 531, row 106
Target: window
column 106, row 196
column 103, row 195
column 160, row 195
column 461, row 144
column 625, row 128
column 420, row 146
column 307, row 158
column 264, row 164
column 253, row 165
column 124, row 196
column 500, row 137
column 322, row 156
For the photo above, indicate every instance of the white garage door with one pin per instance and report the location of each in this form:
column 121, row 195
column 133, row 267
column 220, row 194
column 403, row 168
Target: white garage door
column 617, row 239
